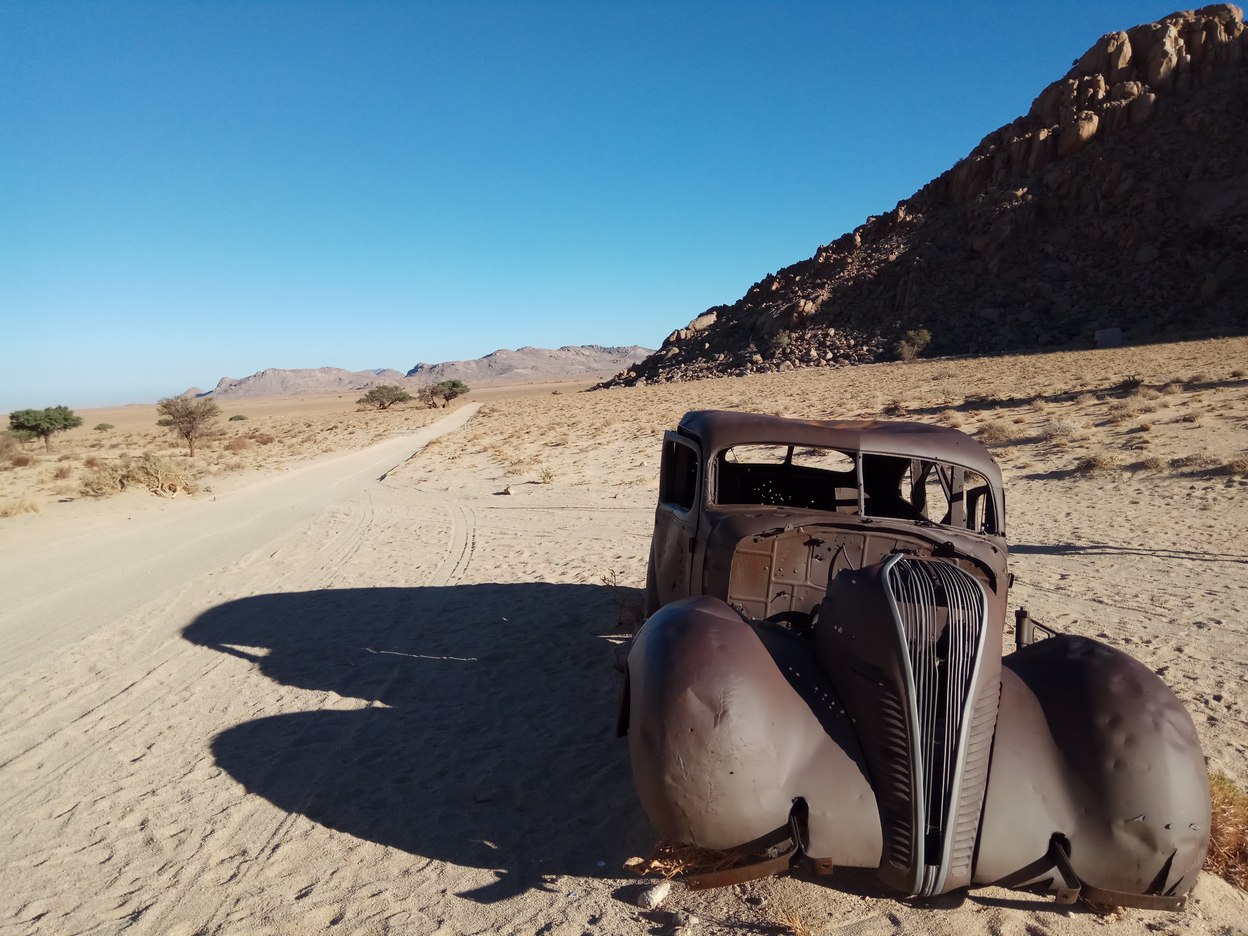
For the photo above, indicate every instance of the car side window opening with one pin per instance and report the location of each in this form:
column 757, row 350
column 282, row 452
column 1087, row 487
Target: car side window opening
column 893, row 486
column 678, row 481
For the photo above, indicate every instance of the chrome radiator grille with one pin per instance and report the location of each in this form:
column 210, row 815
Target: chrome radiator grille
column 941, row 617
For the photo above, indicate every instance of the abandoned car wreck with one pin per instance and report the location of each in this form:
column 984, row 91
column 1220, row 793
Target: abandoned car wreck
column 821, row 680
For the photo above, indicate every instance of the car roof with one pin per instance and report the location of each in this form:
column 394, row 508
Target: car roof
column 721, row 429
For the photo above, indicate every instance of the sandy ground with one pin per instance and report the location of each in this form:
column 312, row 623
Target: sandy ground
column 365, row 689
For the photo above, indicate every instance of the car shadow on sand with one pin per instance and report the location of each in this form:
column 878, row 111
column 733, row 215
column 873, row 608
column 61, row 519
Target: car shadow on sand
column 489, row 738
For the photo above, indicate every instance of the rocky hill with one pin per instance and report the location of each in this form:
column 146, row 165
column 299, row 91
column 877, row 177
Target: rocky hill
column 1120, row 200
column 588, row 362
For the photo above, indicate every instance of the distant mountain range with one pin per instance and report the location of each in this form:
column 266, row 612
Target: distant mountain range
column 524, row 365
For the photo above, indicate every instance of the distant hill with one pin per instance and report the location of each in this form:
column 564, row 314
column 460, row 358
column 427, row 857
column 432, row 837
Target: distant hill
column 533, row 365
column 1118, row 201
column 276, row 381
column 525, row 365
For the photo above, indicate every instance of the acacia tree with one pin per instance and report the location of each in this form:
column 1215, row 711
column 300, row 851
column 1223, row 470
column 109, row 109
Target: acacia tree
column 384, row 396
column 41, row 424
column 190, row 419
column 445, row 391
column 450, row 389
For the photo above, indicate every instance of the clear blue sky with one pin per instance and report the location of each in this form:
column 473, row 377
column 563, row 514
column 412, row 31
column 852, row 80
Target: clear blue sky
column 191, row 190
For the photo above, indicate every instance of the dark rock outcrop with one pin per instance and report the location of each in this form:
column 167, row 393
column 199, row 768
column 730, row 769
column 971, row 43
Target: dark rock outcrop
column 1120, row 200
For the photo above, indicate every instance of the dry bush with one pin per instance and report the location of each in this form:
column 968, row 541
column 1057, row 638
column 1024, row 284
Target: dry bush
column 238, row 444
column 1121, row 410
column 790, row 922
column 149, row 472
column 9, row 444
column 1151, row 463
column 1238, row 466
column 1188, row 418
column 1200, row 461
column 1095, row 464
column 62, row 472
column 1059, row 430
column 672, row 859
column 998, row 432
column 1228, row 834
column 22, row 460
column 23, row 505
column 263, row 438
column 1084, row 398
column 92, row 461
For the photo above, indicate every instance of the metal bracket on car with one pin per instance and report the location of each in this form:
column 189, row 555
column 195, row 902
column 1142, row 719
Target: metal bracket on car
column 788, row 835
column 746, row 872
column 1025, row 629
column 1058, row 857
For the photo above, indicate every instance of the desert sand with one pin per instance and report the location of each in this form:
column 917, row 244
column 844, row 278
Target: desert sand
column 368, row 686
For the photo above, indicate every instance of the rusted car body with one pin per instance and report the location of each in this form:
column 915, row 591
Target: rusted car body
column 821, row 678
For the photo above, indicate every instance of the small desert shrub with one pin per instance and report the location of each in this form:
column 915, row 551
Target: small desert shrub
column 1228, row 834
column 91, row 461
column 1129, row 385
column 1200, row 461
column 1151, row 463
column 23, row 505
column 62, row 472
column 1095, row 464
column 1236, row 374
column 546, row 476
column 239, row 444
column 263, row 438
column 149, row 472
column 21, row 460
column 1123, row 410
column 104, row 427
column 1188, row 418
column 1084, row 398
column 998, row 432
column 779, row 341
column 1059, row 430
column 1238, row 466
column 237, row 417
column 913, row 343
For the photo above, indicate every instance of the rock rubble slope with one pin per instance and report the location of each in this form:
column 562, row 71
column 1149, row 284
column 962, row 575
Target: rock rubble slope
column 1119, row 200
